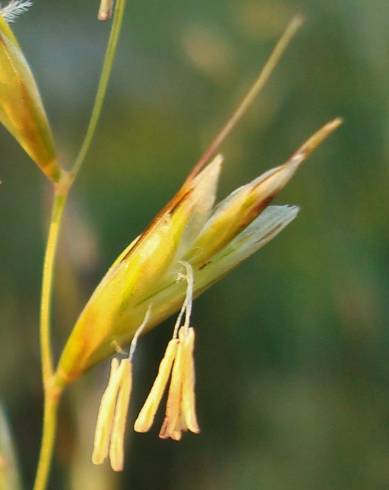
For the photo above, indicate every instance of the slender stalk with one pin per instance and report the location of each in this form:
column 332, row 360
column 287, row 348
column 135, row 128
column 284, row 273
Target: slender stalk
column 255, row 89
column 103, row 84
column 58, row 207
column 48, row 439
column 52, row 392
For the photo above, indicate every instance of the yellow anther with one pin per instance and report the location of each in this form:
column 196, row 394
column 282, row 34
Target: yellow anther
column 105, row 10
column 105, row 416
column 116, row 451
column 146, row 416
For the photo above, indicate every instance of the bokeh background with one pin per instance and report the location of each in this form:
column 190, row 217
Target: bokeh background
column 293, row 348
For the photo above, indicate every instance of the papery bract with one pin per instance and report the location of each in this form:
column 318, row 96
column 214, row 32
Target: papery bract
column 21, row 107
column 146, row 272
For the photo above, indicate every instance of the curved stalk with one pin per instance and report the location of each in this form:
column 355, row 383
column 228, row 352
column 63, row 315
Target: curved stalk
column 52, row 393
column 60, row 198
column 103, row 84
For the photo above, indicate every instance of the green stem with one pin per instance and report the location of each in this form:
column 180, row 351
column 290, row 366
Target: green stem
column 52, row 392
column 60, row 198
column 48, row 439
column 103, row 84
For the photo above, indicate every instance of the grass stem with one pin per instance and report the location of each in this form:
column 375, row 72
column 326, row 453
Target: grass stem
column 48, row 440
column 59, row 202
column 103, row 85
column 61, row 192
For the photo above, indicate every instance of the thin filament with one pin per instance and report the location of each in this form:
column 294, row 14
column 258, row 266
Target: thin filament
column 187, row 305
column 138, row 333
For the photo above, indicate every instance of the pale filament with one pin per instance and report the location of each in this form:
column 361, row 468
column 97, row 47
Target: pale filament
column 187, row 305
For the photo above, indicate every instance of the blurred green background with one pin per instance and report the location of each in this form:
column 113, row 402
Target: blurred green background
column 292, row 352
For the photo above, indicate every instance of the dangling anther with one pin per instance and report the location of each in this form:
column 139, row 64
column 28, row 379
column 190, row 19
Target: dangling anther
column 112, row 416
column 178, row 363
column 105, row 10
